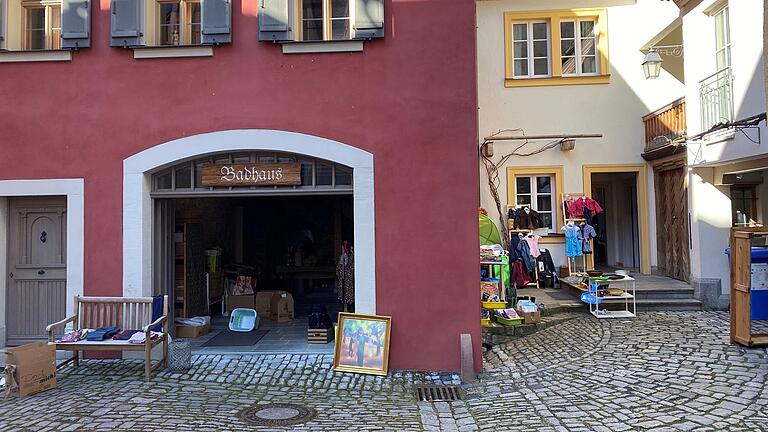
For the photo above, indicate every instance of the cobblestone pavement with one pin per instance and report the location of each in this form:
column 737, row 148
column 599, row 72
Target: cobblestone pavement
column 661, row 371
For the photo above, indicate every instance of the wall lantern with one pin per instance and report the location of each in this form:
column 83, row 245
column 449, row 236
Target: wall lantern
column 652, row 64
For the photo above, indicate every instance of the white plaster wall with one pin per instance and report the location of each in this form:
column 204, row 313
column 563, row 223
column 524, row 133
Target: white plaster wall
column 614, row 110
column 746, row 18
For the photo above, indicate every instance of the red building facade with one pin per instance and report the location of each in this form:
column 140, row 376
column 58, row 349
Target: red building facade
column 407, row 102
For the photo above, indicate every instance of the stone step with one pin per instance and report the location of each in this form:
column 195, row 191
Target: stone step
column 664, row 293
column 660, row 305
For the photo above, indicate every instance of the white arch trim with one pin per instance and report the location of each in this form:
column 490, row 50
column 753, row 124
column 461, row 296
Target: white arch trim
column 137, row 204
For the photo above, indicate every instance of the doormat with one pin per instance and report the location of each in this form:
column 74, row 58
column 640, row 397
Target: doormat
column 277, row 414
column 230, row 338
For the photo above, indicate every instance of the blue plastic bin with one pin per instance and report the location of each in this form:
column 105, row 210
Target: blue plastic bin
column 759, row 296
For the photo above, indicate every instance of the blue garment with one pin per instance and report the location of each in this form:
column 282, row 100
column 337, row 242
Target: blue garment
column 524, row 253
column 157, row 311
column 572, row 243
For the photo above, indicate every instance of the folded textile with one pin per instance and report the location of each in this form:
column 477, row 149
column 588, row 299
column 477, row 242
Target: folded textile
column 74, row 336
column 140, row 337
column 125, row 334
column 102, row 333
column 194, row 322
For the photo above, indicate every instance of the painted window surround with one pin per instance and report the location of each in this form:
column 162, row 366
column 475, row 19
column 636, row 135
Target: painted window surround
column 74, row 190
column 554, row 17
column 556, row 171
column 138, row 206
column 13, row 51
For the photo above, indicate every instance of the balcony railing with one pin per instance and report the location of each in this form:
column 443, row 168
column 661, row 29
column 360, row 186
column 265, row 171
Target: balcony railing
column 716, row 94
column 665, row 125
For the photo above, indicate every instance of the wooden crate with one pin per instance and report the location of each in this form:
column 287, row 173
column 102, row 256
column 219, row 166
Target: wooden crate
column 319, row 336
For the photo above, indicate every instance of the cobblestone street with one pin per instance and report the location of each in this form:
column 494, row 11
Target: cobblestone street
column 661, row 371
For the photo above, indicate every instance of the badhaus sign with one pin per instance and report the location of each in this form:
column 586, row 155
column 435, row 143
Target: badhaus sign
column 252, row 174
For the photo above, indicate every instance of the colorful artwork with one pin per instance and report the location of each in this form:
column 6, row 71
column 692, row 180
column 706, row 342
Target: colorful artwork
column 362, row 344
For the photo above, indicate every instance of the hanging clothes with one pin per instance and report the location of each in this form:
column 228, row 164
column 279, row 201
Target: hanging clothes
column 533, row 244
column 511, row 216
column 572, row 243
column 524, row 252
column 546, row 258
column 527, row 218
column 586, row 233
column 576, row 206
column 345, row 278
column 513, row 254
column 519, row 274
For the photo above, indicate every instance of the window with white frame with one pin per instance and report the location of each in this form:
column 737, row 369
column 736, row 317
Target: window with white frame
column 42, row 25
column 325, row 20
column 530, row 49
column 537, row 192
column 578, row 47
column 722, row 38
column 179, row 22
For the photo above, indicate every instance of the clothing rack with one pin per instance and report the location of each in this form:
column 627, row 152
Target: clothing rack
column 572, row 261
column 536, row 268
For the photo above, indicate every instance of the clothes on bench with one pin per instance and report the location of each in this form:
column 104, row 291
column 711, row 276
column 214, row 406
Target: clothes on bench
column 74, row 336
column 125, row 334
column 141, row 337
column 102, row 333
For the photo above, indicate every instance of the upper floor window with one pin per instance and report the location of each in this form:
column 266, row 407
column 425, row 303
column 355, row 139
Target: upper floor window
column 530, row 49
column 563, row 47
column 722, row 38
column 42, row 25
column 38, row 25
column 578, row 47
column 320, row 20
column 325, row 20
column 179, row 23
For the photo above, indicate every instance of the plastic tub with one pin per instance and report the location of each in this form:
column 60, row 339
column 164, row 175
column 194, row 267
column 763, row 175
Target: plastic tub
column 243, row 320
column 494, row 305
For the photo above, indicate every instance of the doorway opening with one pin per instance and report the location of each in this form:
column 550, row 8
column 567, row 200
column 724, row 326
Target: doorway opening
column 222, row 252
column 617, row 244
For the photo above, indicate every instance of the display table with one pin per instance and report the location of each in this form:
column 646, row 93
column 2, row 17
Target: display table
column 595, row 310
column 501, row 265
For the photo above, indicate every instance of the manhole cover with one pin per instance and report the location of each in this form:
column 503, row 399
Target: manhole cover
column 277, row 414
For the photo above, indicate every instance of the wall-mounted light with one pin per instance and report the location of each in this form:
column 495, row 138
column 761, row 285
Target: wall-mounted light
column 652, row 61
column 567, row 144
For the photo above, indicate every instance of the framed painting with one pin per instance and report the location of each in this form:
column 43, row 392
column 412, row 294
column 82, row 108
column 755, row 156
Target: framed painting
column 362, row 344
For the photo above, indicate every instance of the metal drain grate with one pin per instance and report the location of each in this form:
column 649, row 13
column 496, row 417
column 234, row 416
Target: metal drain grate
column 434, row 393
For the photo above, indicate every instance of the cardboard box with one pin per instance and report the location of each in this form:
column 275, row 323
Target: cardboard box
column 30, row 369
column 263, row 303
column 185, row 331
column 281, row 306
column 530, row 317
column 241, row 301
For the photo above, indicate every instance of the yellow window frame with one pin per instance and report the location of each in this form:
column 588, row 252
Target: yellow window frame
column 556, row 70
column 556, row 171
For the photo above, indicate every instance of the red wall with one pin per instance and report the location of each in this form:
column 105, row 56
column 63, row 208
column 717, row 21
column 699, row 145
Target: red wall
column 408, row 98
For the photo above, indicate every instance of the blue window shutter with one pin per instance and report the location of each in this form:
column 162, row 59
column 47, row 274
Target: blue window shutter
column 2, row 24
column 275, row 20
column 125, row 22
column 75, row 24
column 368, row 19
column 216, row 20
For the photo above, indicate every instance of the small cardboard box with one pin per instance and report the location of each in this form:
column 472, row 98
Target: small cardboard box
column 263, row 303
column 530, row 317
column 30, row 369
column 185, row 331
column 241, row 301
column 281, row 306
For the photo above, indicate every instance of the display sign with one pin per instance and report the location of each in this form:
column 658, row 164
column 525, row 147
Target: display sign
column 252, row 174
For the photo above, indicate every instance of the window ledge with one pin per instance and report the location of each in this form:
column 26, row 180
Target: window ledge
column 556, row 81
column 35, row 56
column 304, row 47
column 151, row 52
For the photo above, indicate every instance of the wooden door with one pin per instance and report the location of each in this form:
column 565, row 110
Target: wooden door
column 741, row 281
column 37, row 270
column 196, row 300
column 672, row 222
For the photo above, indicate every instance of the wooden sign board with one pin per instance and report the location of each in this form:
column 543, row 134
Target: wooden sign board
column 252, row 174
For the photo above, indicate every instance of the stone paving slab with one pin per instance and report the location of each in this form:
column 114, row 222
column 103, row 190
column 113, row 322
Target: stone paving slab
column 658, row 372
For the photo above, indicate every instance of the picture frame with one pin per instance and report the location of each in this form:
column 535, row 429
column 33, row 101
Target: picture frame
column 362, row 344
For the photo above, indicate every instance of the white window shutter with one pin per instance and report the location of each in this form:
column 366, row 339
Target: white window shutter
column 125, row 23
column 275, row 20
column 75, row 24
column 368, row 19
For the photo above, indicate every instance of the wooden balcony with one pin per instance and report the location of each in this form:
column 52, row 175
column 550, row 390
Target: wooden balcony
column 665, row 125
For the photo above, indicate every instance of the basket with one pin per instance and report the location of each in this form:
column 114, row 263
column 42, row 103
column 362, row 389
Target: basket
column 180, row 355
column 509, row 322
column 494, row 305
column 243, row 320
column 485, row 322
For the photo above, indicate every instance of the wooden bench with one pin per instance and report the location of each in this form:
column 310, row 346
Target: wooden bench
column 122, row 312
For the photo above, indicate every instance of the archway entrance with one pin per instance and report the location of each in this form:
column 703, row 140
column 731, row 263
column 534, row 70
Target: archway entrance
column 258, row 216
